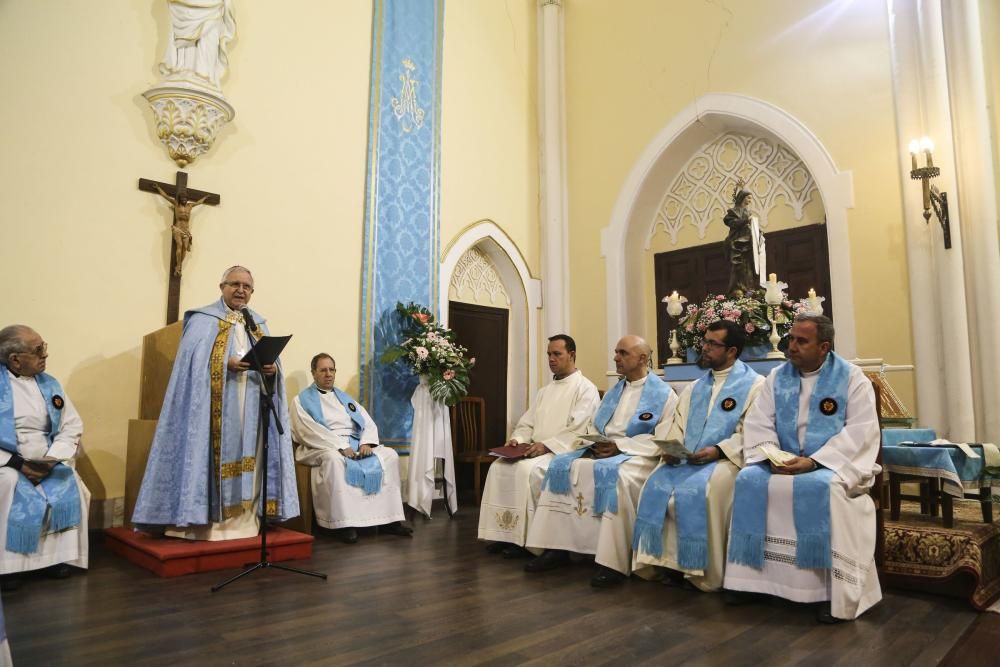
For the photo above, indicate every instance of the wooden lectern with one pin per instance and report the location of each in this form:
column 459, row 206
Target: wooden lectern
column 158, row 352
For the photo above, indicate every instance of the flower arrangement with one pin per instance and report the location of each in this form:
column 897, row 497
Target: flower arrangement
column 749, row 311
column 431, row 352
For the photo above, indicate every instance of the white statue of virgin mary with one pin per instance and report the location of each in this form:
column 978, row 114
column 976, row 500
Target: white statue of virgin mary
column 200, row 32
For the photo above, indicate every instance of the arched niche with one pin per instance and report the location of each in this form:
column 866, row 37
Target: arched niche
column 623, row 240
column 525, row 300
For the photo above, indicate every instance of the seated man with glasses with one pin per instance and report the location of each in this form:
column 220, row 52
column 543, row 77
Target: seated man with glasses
column 43, row 502
column 683, row 519
column 202, row 478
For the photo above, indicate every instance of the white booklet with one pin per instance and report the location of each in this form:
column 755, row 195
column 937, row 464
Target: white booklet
column 673, row 448
column 597, row 439
column 775, row 455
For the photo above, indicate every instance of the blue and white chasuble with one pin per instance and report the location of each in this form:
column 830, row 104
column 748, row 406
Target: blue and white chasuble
column 688, row 483
column 60, row 497
column 366, row 473
column 811, row 490
column 655, row 394
column 204, row 456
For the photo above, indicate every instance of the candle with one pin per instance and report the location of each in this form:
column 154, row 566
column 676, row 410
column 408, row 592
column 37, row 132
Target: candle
column 812, row 293
column 673, row 295
column 914, row 149
column 773, row 278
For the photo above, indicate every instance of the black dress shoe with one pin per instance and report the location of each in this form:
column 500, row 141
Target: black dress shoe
column 607, row 578
column 740, row 598
column 397, row 528
column 550, row 560
column 10, row 582
column 512, row 551
column 348, row 535
column 496, row 547
column 60, row 571
column 824, row 615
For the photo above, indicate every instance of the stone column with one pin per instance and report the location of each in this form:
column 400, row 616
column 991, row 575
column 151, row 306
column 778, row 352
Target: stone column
column 977, row 202
column 552, row 182
column 938, row 307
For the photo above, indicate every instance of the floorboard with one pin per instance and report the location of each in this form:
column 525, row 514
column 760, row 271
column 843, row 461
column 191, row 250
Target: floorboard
column 439, row 598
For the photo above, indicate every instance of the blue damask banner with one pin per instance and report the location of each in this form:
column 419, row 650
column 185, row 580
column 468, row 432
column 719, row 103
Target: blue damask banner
column 401, row 242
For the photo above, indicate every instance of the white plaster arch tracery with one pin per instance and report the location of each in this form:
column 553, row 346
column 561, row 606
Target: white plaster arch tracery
column 623, row 240
column 525, row 295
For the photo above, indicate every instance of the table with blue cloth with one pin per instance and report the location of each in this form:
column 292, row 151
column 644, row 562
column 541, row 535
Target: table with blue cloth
column 949, row 472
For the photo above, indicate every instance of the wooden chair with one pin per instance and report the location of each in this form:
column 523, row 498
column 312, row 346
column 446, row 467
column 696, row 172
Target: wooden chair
column 468, row 437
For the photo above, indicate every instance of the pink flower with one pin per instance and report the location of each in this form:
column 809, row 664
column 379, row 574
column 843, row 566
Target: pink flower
column 749, row 328
column 689, row 327
column 720, row 298
column 422, row 352
column 448, row 375
column 472, row 361
column 702, row 326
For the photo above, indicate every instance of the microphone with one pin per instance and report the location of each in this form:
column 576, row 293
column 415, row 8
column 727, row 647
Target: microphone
column 248, row 318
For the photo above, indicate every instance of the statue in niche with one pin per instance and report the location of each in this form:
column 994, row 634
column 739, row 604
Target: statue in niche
column 744, row 245
column 181, row 228
column 200, row 32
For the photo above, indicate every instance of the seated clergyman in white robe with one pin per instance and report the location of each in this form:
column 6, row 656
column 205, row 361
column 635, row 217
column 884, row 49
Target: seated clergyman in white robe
column 805, row 530
column 589, row 496
column 552, row 425
column 43, row 501
column 683, row 518
column 355, row 481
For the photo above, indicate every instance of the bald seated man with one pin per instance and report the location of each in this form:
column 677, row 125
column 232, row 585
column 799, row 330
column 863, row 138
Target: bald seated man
column 43, row 502
column 589, row 495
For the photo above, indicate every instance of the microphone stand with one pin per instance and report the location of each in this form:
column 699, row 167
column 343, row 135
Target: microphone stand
column 266, row 410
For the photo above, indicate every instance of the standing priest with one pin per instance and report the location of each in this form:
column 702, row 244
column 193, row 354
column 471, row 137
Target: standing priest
column 588, row 505
column 43, row 502
column 355, row 482
column 202, row 479
column 552, row 425
column 684, row 510
column 805, row 530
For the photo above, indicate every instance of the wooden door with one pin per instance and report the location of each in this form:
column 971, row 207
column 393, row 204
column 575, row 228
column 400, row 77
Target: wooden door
column 799, row 256
column 483, row 330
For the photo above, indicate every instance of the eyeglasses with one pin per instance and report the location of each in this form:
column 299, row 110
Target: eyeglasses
column 713, row 343
column 39, row 351
column 243, row 286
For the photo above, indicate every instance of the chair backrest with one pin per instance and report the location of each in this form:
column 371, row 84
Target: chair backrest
column 468, row 425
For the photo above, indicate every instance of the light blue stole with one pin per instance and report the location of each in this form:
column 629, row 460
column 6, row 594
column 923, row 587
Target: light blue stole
column 810, row 490
column 366, row 473
column 689, row 483
column 26, row 518
column 655, row 393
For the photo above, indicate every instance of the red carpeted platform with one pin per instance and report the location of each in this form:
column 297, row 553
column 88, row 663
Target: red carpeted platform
column 173, row 557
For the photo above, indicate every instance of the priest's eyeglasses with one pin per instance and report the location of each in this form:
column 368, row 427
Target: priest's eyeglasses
column 236, row 285
column 708, row 342
column 39, row 351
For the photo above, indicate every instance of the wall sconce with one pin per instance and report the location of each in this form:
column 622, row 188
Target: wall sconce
column 933, row 198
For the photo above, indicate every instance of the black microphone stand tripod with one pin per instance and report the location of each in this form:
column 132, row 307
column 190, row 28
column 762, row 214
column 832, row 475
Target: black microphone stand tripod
column 266, row 411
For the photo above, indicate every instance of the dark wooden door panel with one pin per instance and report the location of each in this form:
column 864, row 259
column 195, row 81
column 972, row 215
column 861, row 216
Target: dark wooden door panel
column 483, row 330
column 799, row 256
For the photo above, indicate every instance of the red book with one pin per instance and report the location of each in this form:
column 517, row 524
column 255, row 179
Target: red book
column 510, row 453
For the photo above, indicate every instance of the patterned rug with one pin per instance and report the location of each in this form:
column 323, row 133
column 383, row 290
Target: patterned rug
column 962, row 561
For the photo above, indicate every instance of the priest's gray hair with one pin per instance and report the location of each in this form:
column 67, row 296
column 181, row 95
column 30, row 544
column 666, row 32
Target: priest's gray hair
column 12, row 341
column 824, row 327
column 233, row 269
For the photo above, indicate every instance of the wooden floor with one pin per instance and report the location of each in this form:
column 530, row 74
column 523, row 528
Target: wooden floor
column 440, row 599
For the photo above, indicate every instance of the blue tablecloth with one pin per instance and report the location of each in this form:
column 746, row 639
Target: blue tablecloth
column 958, row 473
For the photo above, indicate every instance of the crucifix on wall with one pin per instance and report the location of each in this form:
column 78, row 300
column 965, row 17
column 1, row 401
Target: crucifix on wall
column 182, row 200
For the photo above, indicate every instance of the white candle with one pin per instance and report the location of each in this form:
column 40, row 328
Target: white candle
column 773, row 278
column 812, row 293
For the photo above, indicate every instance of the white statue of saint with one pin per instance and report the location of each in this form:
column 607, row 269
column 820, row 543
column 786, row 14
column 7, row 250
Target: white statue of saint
column 200, row 31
